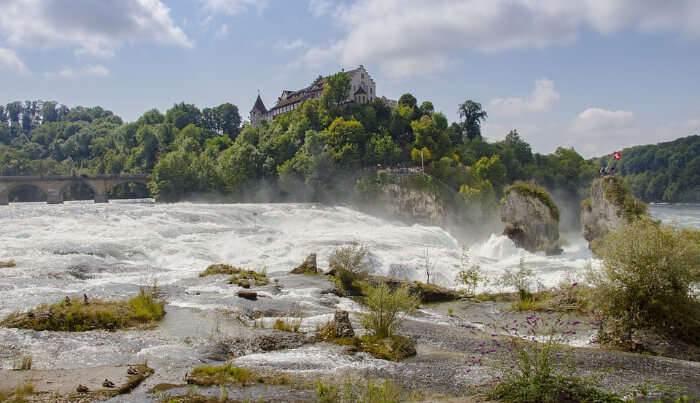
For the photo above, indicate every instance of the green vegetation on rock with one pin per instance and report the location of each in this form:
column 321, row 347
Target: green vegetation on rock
column 617, row 193
column 76, row 315
column 9, row 263
column 228, row 374
column 241, row 277
column 531, row 190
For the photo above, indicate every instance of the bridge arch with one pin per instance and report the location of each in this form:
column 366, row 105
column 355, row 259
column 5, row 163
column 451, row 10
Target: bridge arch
column 128, row 189
column 31, row 190
column 76, row 184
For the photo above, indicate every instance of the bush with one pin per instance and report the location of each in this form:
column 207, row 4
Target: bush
column 648, row 271
column 349, row 264
column 469, row 275
column 386, row 307
column 532, row 372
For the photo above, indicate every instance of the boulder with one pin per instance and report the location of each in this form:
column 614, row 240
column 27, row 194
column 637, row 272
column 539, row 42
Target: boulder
column 251, row 295
column 342, row 325
column 309, row 266
column 531, row 218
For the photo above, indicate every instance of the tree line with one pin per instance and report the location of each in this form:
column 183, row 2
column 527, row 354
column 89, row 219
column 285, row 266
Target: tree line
column 665, row 172
column 314, row 153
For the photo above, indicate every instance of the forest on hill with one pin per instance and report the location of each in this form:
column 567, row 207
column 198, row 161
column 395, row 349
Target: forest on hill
column 664, row 172
column 315, row 153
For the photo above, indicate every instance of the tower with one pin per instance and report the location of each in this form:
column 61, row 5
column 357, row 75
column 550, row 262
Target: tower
column 258, row 113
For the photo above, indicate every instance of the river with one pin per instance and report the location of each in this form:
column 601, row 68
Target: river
column 110, row 250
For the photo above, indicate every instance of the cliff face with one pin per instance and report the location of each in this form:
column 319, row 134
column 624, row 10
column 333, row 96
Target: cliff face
column 599, row 216
column 411, row 204
column 530, row 223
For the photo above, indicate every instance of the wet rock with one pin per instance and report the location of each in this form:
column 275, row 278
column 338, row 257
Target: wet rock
column 255, row 343
column 82, row 389
column 531, row 219
column 342, row 325
column 308, row 267
column 426, row 292
column 251, row 295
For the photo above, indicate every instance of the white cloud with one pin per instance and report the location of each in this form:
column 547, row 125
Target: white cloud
column 541, row 99
column 10, row 61
column 91, row 70
column 292, row 45
column 320, row 8
column 222, row 31
column 597, row 119
column 406, row 37
column 233, row 7
column 94, row 27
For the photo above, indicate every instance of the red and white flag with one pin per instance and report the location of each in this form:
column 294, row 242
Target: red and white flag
column 617, row 155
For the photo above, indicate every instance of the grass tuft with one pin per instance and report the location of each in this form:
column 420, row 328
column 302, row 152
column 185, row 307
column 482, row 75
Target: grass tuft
column 78, row 316
column 9, row 263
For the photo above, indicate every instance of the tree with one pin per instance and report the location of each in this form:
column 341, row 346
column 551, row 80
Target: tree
column 409, row 100
column 182, row 114
column 473, row 114
column 336, row 92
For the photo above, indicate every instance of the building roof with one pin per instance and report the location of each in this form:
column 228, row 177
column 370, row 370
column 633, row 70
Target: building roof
column 259, row 105
column 360, row 90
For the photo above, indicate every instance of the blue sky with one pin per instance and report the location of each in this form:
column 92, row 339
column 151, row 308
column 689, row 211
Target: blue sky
column 597, row 75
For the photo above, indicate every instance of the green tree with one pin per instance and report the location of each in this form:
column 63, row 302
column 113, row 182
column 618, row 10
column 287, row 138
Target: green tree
column 472, row 114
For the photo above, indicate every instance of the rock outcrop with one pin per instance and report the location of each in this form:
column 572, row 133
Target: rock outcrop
column 251, row 295
column 308, row 267
column 531, row 218
column 342, row 327
column 411, row 204
column 609, row 207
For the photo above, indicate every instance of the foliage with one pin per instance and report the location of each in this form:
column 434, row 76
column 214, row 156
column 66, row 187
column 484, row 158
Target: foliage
column 521, row 280
column 532, row 190
column 529, row 370
column 616, row 193
column 287, row 324
column 76, row 315
column 648, row 271
column 314, row 153
column 349, row 263
column 218, row 375
column 665, row 172
column 386, row 308
column 469, row 276
column 354, row 391
column 473, row 114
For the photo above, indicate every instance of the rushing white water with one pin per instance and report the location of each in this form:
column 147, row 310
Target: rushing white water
column 109, row 250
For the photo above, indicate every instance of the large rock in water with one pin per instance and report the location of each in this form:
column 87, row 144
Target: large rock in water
column 342, row 325
column 531, row 218
column 609, row 207
column 309, row 266
column 411, row 203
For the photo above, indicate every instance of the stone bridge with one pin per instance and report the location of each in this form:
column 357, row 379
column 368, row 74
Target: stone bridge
column 54, row 186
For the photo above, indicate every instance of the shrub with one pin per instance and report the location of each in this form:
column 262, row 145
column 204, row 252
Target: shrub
column 349, row 263
column 470, row 275
column 521, row 280
column 386, row 307
column 528, row 371
column 648, row 271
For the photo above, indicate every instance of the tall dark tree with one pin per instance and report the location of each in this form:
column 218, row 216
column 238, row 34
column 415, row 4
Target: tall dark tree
column 182, row 114
column 472, row 114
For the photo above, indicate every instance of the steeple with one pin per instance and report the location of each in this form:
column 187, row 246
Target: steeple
column 259, row 105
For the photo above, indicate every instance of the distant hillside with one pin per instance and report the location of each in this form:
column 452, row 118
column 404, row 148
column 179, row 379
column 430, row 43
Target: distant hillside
column 665, row 172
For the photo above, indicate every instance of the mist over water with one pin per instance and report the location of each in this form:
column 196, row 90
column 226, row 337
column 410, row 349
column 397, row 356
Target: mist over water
column 110, row 250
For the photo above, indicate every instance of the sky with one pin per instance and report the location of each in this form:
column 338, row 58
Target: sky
column 595, row 75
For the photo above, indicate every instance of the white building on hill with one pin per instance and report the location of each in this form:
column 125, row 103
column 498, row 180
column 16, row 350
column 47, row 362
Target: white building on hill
column 362, row 90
